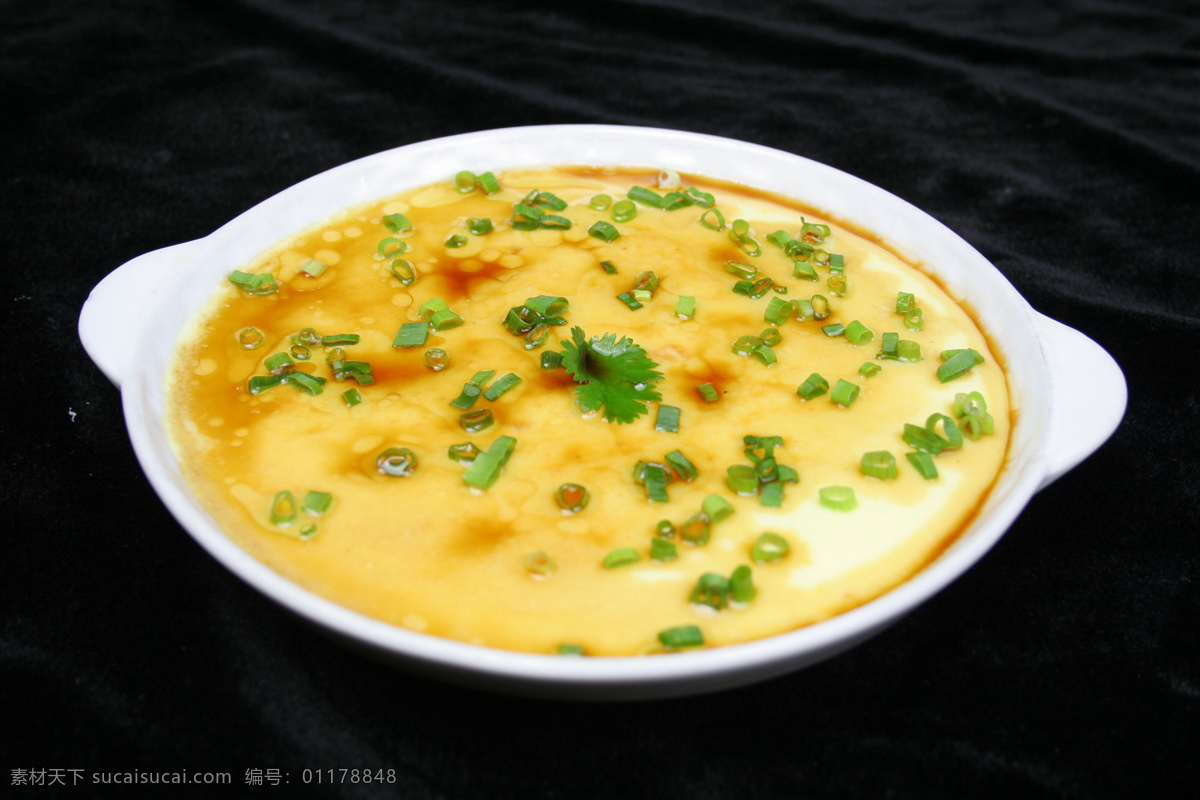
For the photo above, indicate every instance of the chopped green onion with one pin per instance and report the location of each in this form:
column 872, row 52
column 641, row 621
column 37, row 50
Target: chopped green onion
column 486, row 467
column 600, row 202
column 905, row 302
column 509, row 381
column 673, row 201
column 907, row 350
column 838, row 285
column 957, row 363
column 396, row 462
column 339, row 339
column 655, row 478
column 404, row 271
column 837, row 264
column 478, row 420
column 923, row 463
column 551, row 359
column 300, row 352
column 445, row 320
column 858, row 333
column 313, row 268
column 969, row 403
column 572, row 497
column 914, row 320
column 464, row 181
column 685, row 308
column 702, row 199
column 889, row 346
column 820, row 306
column 769, row 547
column 253, row 282
column 431, row 307
column 833, row 329
column 309, row 384
column 838, row 498
column 260, row 383
column 467, row 397
column 455, row 241
column 742, row 479
column 950, row 431
column 554, row 222
column 569, row 649
column 621, row 557
column 771, row 494
column 804, row 271
column 480, row 225
column 746, row 345
column 716, row 508
column 804, row 309
column 713, row 219
column 317, row 503
column 669, row 179
column 307, row 336
column 708, row 392
column 628, row 299
column 539, row 565
column 278, row 362
column 250, row 338
column 741, row 269
column 878, row 464
column 814, row 386
column 464, row 453
column 488, row 182
column 624, row 211
column 771, row 336
column 813, row 232
column 844, row 393
column 283, row 508
column 352, row 397
column 411, row 334
column 684, row 468
column 397, row 223
column 609, row 267
column 778, row 311
column 663, row 550
column 667, row 419
column 869, row 369
column 360, row 371
column 682, row 636
column 696, row 529
column 741, row 585
column 436, row 359
column 604, row 231
column 482, row 377
column 646, row 197
column 664, row 529
column 391, row 247
column 765, row 355
column 924, row 439
column 711, row 590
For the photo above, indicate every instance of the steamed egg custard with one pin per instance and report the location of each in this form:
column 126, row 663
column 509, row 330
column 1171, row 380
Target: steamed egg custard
column 597, row 411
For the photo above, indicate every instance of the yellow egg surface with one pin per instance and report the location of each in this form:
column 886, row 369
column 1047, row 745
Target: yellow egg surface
column 291, row 391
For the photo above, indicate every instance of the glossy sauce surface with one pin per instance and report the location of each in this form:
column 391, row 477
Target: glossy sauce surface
column 431, row 554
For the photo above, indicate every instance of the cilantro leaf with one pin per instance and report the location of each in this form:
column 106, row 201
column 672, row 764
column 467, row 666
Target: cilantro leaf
column 613, row 374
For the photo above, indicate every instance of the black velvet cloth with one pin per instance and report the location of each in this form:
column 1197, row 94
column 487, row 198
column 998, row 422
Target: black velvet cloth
column 1061, row 139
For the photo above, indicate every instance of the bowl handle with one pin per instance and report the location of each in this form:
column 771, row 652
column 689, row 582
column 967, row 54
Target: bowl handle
column 1087, row 396
column 112, row 319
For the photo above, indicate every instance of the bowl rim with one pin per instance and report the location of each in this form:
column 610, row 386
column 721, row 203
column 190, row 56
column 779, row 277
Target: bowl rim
column 608, row 677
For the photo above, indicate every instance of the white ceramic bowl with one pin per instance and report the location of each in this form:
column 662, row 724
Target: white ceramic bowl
column 1070, row 393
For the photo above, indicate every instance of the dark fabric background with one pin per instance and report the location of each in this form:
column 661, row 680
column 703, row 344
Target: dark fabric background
column 1062, row 139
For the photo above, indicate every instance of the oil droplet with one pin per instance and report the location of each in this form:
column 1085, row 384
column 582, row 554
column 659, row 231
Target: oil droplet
column 331, row 236
column 353, row 233
column 216, row 422
column 207, row 366
column 414, row 622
